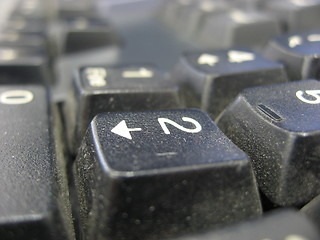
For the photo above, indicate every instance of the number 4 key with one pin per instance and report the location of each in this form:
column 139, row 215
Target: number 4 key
column 141, row 175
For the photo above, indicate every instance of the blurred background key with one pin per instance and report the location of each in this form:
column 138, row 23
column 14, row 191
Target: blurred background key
column 245, row 28
column 294, row 15
column 122, row 88
column 215, row 78
column 23, row 65
column 299, row 52
column 81, row 34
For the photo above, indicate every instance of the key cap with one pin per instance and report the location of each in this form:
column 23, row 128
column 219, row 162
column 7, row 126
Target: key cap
column 23, row 65
column 157, row 174
column 29, row 26
column 278, row 126
column 34, row 9
column 123, row 88
column 16, row 39
column 75, row 8
column 245, row 4
column 87, row 33
column 279, row 225
column 32, row 202
column 173, row 10
column 216, row 77
column 300, row 53
column 295, row 15
column 190, row 16
column 237, row 28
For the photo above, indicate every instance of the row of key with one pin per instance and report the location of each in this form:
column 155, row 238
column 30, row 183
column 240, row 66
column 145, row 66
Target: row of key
column 126, row 153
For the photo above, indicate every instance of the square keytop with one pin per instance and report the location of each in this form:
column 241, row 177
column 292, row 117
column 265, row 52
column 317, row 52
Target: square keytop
column 135, row 170
column 278, row 127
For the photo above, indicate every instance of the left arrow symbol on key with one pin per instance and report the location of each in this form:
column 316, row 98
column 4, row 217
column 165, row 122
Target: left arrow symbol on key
column 122, row 130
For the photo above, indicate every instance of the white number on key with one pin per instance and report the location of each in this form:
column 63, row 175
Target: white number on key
column 164, row 121
column 15, row 97
column 313, row 93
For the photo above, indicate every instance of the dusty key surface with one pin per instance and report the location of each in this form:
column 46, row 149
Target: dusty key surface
column 278, row 225
column 30, row 198
column 148, row 175
column 294, row 15
column 216, row 77
column 109, row 89
column 278, row 126
column 298, row 52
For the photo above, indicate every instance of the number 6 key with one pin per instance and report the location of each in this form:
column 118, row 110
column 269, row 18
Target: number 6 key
column 279, row 127
column 151, row 175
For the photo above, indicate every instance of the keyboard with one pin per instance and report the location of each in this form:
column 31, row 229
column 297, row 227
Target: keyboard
column 160, row 119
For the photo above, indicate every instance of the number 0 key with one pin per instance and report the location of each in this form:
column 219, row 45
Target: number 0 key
column 148, row 175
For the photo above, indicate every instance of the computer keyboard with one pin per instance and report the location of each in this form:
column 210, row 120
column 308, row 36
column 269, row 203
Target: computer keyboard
column 155, row 120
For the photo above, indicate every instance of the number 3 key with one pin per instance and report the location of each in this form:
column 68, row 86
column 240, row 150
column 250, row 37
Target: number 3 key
column 141, row 175
column 279, row 127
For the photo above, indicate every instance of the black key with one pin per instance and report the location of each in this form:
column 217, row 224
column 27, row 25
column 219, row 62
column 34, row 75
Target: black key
column 33, row 9
column 131, row 88
column 300, row 53
column 281, row 225
column 32, row 202
column 173, row 10
column 148, row 175
column 218, row 76
column 193, row 19
column 245, row 4
column 295, row 15
column 75, row 8
column 23, row 65
column 28, row 26
column 278, row 126
column 66, row 65
column 237, row 28
column 187, row 17
column 16, row 39
column 87, row 33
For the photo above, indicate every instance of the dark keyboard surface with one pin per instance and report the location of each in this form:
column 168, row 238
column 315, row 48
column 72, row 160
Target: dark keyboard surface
column 154, row 120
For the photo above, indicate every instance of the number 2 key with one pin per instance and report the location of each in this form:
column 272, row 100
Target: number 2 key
column 141, row 175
